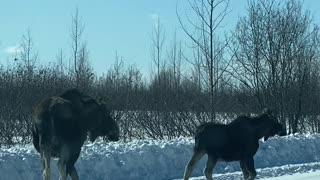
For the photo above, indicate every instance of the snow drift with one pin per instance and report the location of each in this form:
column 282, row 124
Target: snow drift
column 154, row 159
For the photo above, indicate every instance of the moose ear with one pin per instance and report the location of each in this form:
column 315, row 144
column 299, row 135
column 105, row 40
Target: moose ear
column 267, row 111
column 101, row 101
column 86, row 99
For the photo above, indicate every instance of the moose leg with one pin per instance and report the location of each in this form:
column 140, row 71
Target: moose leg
column 197, row 155
column 45, row 158
column 63, row 160
column 244, row 169
column 62, row 167
column 208, row 170
column 71, row 170
column 73, row 173
column 249, row 162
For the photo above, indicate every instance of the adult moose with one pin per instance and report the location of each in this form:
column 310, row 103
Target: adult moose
column 236, row 141
column 60, row 127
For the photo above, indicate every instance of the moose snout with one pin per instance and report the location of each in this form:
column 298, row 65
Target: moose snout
column 114, row 135
column 282, row 133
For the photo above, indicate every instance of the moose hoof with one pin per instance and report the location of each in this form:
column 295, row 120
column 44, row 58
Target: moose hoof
column 46, row 175
column 250, row 178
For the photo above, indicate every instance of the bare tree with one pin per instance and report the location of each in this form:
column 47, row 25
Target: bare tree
column 80, row 59
column 28, row 53
column 275, row 48
column 175, row 55
column 60, row 58
column 201, row 27
column 158, row 38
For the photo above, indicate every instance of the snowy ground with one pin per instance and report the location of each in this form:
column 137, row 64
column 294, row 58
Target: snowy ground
column 287, row 172
column 304, row 176
column 165, row 160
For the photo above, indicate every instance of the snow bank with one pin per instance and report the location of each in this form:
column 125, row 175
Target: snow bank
column 305, row 176
column 286, row 172
column 154, row 159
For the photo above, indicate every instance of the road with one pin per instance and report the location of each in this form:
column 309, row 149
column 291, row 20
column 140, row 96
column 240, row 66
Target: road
column 305, row 176
column 311, row 175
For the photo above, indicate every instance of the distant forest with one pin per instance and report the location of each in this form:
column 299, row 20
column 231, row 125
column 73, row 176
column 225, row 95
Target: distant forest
column 271, row 59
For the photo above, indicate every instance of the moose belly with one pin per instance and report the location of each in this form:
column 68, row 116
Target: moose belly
column 230, row 157
column 57, row 145
column 226, row 154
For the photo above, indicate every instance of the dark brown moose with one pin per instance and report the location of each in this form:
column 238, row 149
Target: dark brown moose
column 236, row 141
column 61, row 125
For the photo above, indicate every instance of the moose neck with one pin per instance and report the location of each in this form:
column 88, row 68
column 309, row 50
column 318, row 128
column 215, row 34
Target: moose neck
column 260, row 128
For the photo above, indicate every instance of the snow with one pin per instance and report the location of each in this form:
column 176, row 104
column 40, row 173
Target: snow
column 304, row 176
column 165, row 160
column 274, row 173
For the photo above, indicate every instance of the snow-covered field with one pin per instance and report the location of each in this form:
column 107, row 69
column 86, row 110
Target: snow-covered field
column 286, row 172
column 304, row 176
column 165, row 160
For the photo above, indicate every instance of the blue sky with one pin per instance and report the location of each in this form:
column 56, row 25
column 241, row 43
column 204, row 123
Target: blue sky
column 122, row 26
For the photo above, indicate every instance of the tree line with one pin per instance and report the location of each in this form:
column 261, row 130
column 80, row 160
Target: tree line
column 271, row 59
